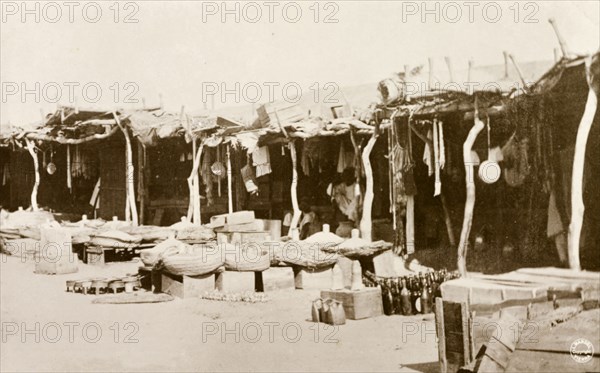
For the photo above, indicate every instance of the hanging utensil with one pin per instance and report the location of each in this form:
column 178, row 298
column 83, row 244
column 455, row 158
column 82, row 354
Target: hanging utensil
column 51, row 167
column 489, row 170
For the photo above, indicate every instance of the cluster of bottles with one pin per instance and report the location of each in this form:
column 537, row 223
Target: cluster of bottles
column 410, row 295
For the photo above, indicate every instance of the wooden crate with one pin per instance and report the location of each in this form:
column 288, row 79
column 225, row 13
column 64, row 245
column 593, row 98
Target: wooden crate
column 56, row 253
column 275, row 278
column 358, row 304
column 317, row 279
column 187, row 286
column 234, row 281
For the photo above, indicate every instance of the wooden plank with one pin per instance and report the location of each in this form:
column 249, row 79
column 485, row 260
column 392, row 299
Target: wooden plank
column 561, row 273
column 439, row 326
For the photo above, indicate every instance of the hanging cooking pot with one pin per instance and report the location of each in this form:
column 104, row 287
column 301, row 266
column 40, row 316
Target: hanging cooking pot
column 51, row 167
column 489, row 170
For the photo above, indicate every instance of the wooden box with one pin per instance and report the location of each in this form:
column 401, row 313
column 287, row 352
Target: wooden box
column 187, row 286
column 358, row 304
column 56, row 254
column 317, row 279
column 275, row 278
column 234, row 281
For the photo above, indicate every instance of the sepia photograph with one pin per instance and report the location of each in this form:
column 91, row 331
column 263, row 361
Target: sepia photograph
column 300, row 186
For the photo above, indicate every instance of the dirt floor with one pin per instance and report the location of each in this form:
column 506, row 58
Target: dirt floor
column 44, row 328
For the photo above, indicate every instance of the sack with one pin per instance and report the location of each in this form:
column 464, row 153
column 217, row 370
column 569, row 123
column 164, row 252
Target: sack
column 171, row 246
column 114, row 238
column 191, row 264
column 334, row 312
column 246, row 257
column 150, row 233
column 316, row 310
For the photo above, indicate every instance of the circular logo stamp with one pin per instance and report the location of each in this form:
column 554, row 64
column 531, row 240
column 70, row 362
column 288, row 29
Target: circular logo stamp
column 582, row 350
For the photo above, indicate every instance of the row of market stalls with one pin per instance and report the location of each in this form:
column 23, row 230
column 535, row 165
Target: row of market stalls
column 434, row 164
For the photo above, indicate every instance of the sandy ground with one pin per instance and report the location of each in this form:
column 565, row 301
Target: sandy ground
column 44, row 328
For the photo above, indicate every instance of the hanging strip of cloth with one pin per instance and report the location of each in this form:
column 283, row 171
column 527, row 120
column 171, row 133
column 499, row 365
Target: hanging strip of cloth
column 436, row 159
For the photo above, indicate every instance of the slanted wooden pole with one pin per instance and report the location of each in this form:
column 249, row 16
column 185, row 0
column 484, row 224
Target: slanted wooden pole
column 577, row 206
column 366, row 224
column 561, row 41
column 521, row 76
column 430, row 81
column 505, row 53
column 470, row 201
column 36, row 166
column 129, row 173
column 294, row 189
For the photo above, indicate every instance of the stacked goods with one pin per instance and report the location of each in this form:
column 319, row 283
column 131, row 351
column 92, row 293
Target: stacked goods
column 192, row 260
column 25, row 248
column 23, row 223
column 150, row 233
column 196, row 234
column 238, row 227
column 279, row 114
column 151, row 256
column 246, row 257
column 114, row 238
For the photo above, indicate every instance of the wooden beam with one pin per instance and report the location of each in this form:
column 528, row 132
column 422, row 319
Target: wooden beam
column 366, row 224
column 294, row 188
column 470, row 201
column 129, row 173
column 577, row 206
column 194, row 185
column 36, row 166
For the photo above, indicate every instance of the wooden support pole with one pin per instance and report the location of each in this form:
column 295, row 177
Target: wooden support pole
column 229, row 188
column 294, row 189
column 141, row 150
column 470, row 201
column 69, row 179
column 194, row 186
column 366, row 224
column 505, row 53
column 36, row 166
column 129, row 174
column 577, row 206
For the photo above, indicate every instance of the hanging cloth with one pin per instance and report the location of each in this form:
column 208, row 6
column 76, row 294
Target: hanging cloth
column 436, row 158
column 341, row 163
column 262, row 161
column 427, row 154
column 5, row 174
column 441, row 146
column 69, row 184
column 248, row 177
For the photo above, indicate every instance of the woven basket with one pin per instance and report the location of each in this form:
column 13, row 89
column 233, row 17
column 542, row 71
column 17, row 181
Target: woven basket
column 246, row 258
column 191, row 264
